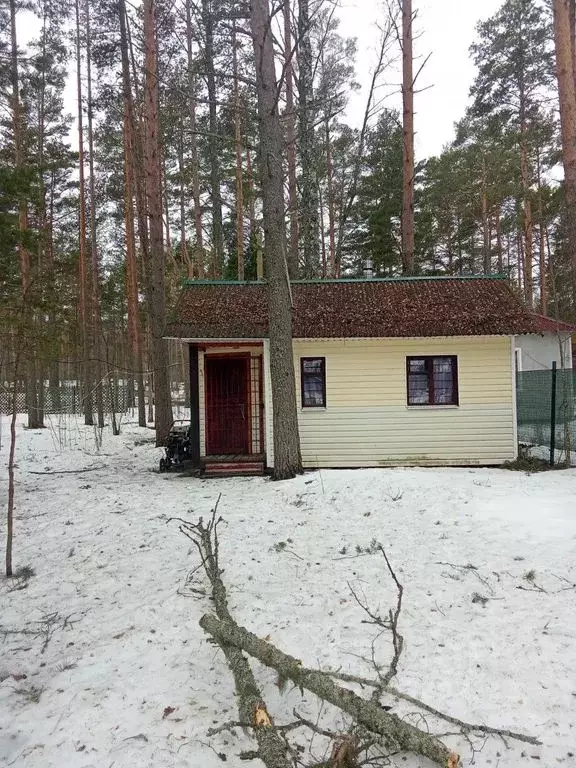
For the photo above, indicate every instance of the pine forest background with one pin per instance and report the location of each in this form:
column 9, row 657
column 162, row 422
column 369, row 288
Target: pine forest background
column 156, row 176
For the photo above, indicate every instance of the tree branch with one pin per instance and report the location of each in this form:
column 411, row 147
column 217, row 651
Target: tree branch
column 367, row 713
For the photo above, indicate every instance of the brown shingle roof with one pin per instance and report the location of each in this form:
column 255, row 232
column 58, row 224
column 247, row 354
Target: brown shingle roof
column 355, row 308
column 549, row 325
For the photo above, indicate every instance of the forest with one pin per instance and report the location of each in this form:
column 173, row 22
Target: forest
column 153, row 173
column 149, row 148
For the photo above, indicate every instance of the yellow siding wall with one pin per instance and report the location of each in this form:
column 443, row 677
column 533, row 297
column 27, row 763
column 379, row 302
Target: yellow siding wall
column 366, row 421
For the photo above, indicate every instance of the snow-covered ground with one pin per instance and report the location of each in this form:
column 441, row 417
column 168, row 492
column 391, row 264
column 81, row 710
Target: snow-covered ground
column 102, row 661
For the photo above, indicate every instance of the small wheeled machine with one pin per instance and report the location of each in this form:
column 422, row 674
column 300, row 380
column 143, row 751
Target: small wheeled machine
column 178, row 446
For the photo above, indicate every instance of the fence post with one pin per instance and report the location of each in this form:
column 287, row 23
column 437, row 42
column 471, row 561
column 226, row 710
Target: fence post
column 553, row 416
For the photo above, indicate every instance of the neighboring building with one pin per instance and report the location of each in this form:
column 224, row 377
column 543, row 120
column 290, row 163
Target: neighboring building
column 415, row 371
column 551, row 343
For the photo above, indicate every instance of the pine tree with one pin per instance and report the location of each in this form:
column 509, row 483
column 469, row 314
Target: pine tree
column 287, row 458
column 408, row 139
column 565, row 73
column 155, row 269
column 514, row 60
column 309, row 204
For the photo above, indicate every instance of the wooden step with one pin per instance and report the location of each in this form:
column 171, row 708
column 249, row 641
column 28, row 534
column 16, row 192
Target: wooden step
column 233, row 468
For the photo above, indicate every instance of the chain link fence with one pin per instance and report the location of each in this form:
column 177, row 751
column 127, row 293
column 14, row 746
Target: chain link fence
column 67, row 399
column 546, row 412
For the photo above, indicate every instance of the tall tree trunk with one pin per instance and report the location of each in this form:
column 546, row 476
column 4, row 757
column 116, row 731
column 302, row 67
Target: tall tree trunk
column 324, row 270
column 94, row 257
column 331, row 221
column 136, row 126
column 251, row 192
column 572, row 11
column 238, row 143
column 134, row 326
column 541, row 241
column 214, row 143
column 11, row 461
column 293, row 257
column 195, row 164
column 54, row 368
column 408, row 140
column 83, row 272
column 498, row 228
column 137, row 130
column 485, row 224
column 527, row 221
column 45, row 265
column 35, row 419
column 542, row 260
column 309, row 209
column 156, row 266
column 287, row 457
column 565, row 74
column 185, row 257
column 166, row 213
column 520, row 242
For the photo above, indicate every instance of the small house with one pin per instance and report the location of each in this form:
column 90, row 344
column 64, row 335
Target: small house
column 552, row 343
column 408, row 371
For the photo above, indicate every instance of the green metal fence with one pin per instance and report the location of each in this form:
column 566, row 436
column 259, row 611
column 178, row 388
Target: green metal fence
column 546, row 408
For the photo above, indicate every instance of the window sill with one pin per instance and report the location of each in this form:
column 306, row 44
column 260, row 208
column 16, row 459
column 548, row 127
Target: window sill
column 432, row 407
column 307, row 408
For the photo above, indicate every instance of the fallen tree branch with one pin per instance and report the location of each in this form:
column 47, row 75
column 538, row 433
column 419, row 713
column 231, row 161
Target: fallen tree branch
column 466, row 727
column 272, row 749
column 68, row 471
column 468, row 568
column 367, row 713
column 390, row 624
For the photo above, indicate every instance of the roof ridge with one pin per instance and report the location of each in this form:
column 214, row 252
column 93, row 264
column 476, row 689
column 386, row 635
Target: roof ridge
column 332, row 281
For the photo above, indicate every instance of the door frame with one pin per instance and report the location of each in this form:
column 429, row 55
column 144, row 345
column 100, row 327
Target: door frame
column 245, row 357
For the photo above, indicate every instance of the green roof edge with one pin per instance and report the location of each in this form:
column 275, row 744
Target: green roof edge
column 314, row 281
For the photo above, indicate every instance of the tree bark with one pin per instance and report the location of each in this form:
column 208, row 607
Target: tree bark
column 134, row 325
column 194, row 145
column 527, row 221
column 238, row 143
column 84, row 292
column 290, row 115
column 331, row 221
column 156, row 266
column 214, row 143
column 366, row 713
column 35, row 416
column 251, row 192
column 271, row 748
column 11, row 489
column 498, row 228
column 165, row 203
column 541, row 242
column 485, row 224
column 287, row 458
column 96, row 324
column 572, row 11
column 185, row 258
column 309, row 215
column 408, row 140
column 565, row 74
column 45, row 265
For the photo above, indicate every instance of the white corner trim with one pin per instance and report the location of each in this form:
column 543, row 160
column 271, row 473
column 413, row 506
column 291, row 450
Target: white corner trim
column 514, row 405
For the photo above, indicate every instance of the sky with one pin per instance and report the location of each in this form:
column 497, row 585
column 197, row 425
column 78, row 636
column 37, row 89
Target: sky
column 446, row 30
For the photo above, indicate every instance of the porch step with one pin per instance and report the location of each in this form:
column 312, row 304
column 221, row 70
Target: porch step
column 233, row 468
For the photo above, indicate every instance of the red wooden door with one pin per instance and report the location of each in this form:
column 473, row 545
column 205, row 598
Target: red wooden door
column 227, row 406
